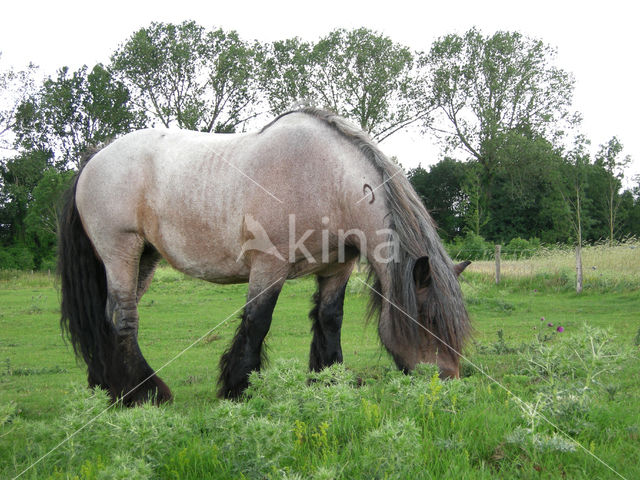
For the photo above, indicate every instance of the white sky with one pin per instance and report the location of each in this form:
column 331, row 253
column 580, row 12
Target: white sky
column 596, row 41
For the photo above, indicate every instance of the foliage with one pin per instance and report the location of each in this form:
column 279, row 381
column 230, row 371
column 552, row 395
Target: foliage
column 160, row 64
column 608, row 158
column 15, row 88
column 19, row 177
column 41, row 223
column 363, row 419
column 488, row 86
column 535, row 192
column 360, row 74
column 521, row 248
column 53, row 127
column 470, row 247
column 72, row 112
column 503, row 102
column 16, row 257
column 441, row 190
column 29, row 198
column 286, row 69
column 185, row 75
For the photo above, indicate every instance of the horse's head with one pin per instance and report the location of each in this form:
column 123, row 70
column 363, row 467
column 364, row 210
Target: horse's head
column 437, row 338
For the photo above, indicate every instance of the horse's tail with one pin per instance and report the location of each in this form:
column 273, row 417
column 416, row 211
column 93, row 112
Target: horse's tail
column 84, row 292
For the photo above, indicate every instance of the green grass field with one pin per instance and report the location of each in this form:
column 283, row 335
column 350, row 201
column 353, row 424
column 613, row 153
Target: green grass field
column 360, row 420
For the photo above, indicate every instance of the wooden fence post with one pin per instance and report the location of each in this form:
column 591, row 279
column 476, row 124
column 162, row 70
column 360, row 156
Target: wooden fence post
column 498, row 247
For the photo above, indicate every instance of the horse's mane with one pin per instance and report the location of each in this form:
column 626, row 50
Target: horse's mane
column 418, row 237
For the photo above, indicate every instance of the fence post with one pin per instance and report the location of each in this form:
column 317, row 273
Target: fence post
column 498, row 247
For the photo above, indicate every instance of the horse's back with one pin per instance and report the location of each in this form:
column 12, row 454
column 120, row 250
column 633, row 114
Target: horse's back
column 188, row 193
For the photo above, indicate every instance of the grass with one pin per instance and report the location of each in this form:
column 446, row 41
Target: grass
column 604, row 268
column 362, row 419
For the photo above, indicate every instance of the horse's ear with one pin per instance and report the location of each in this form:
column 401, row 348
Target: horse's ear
column 422, row 272
column 459, row 268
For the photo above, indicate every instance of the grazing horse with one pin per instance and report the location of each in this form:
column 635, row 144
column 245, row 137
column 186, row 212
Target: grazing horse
column 308, row 194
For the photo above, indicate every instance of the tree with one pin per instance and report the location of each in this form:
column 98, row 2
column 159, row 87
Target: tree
column 232, row 91
column 185, row 75
column 524, row 189
column 41, row 219
column 476, row 214
column 630, row 210
column 29, row 198
column 483, row 87
column 19, row 176
column 608, row 158
column 574, row 178
column 161, row 65
column 73, row 111
column 15, row 88
column 359, row 74
column 441, row 191
column 285, row 74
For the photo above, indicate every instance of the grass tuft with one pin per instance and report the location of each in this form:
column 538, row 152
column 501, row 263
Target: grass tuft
column 362, row 419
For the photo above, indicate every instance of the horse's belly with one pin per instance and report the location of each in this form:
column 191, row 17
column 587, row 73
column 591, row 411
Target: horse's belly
column 210, row 268
column 204, row 253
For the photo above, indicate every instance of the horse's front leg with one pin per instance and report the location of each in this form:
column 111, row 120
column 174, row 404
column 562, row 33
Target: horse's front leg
column 246, row 352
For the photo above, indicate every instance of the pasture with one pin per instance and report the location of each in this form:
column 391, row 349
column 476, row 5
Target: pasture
column 362, row 419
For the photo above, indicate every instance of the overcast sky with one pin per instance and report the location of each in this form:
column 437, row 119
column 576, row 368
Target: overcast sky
column 596, row 41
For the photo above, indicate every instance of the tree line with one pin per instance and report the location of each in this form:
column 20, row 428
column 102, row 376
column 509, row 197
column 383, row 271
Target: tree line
column 514, row 164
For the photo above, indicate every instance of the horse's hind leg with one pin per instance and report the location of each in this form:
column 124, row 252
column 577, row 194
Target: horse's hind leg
column 326, row 318
column 129, row 376
column 246, row 352
column 147, row 266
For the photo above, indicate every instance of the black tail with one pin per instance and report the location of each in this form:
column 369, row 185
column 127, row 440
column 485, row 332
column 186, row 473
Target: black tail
column 84, row 293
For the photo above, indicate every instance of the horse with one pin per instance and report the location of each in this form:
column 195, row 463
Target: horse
column 228, row 208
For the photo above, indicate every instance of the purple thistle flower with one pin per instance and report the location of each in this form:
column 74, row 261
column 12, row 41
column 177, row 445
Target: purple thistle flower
column 542, row 319
column 549, row 324
column 560, row 329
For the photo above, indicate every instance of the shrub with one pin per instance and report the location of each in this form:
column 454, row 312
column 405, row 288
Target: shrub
column 16, row 257
column 521, row 248
column 470, row 247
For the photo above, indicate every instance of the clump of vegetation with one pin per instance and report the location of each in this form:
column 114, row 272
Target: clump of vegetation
column 363, row 419
column 340, row 423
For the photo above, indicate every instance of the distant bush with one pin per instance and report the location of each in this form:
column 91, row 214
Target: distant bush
column 470, row 247
column 16, row 257
column 475, row 247
column 521, row 248
column 48, row 264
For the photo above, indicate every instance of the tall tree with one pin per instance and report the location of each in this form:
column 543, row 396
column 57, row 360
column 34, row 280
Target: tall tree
column 73, row 111
column 486, row 86
column 359, row 74
column 231, row 95
column 186, row 76
column 608, row 157
column 161, row 65
column 285, row 73
column 15, row 88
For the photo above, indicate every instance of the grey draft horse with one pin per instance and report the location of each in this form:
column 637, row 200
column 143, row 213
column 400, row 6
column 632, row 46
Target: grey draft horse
column 222, row 207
